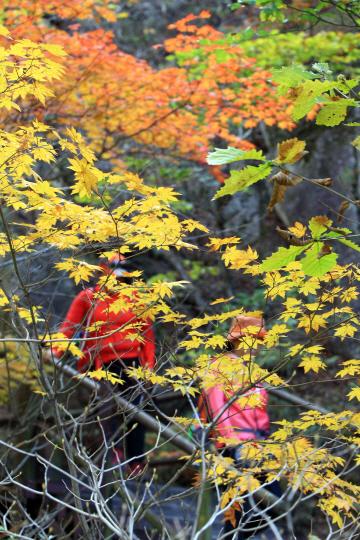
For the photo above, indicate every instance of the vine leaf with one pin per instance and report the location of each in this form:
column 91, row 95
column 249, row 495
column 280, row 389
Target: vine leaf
column 315, row 264
column 240, row 180
column 221, row 156
column 281, row 258
column 289, row 77
column 345, row 241
column 307, row 96
column 290, row 151
column 349, row 243
column 333, row 113
column 318, row 225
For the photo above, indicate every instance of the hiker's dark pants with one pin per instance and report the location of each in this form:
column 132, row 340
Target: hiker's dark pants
column 243, row 517
column 120, row 427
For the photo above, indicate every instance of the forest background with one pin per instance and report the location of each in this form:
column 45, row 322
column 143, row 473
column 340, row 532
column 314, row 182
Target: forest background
column 111, row 114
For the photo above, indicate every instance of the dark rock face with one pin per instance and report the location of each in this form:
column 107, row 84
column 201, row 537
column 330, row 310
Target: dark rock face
column 147, row 23
column 242, row 214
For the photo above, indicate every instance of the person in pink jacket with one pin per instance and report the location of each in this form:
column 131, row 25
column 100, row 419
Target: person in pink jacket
column 235, row 420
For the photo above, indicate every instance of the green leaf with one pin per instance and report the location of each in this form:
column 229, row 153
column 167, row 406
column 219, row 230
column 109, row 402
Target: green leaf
column 314, row 264
column 345, row 85
column 309, row 92
column 240, row 180
column 292, row 76
column 228, row 155
column 281, row 258
column 349, row 243
column 345, row 241
column 334, row 112
column 322, row 68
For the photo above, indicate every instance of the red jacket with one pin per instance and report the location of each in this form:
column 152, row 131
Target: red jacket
column 112, row 337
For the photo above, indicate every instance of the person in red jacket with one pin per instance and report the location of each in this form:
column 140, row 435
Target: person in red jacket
column 237, row 421
column 111, row 342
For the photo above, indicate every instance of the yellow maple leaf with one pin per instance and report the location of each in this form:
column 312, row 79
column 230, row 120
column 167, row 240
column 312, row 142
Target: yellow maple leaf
column 298, row 229
column 351, row 368
column 221, row 300
column 216, row 243
column 86, row 176
column 295, row 349
column 309, row 285
column 345, row 330
column 312, row 322
column 354, row 393
column 349, row 294
column 250, row 400
column 273, row 335
column 312, row 363
column 78, row 270
column 293, row 307
column 216, row 341
column 103, row 374
column 237, row 259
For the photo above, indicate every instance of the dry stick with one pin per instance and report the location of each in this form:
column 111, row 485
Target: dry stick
column 291, row 398
column 174, row 395
column 166, row 432
column 282, row 394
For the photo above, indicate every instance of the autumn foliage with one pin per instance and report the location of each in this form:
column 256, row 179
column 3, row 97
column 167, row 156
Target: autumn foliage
column 179, row 108
column 70, row 98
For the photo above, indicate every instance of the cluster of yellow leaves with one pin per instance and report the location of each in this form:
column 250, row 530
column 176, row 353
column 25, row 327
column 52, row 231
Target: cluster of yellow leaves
column 11, row 303
column 294, row 287
column 180, row 379
column 351, row 368
column 234, row 374
column 26, row 70
column 305, row 467
column 78, row 270
column 144, row 220
column 148, row 301
column 61, row 343
column 237, row 259
column 102, row 374
column 310, row 357
column 331, row 421
column 17, row 369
